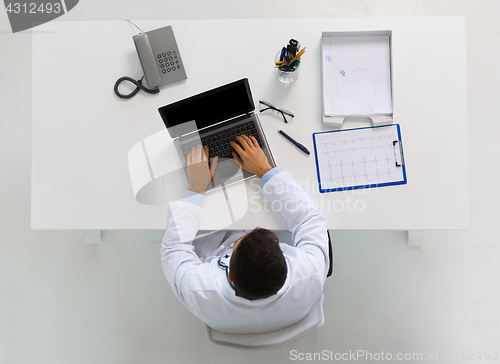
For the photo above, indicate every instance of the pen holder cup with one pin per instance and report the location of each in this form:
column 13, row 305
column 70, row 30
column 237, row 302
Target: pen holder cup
column 287, row 75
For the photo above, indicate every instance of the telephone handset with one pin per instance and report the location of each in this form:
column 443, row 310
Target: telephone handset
column 148, row 61
column 160, row 60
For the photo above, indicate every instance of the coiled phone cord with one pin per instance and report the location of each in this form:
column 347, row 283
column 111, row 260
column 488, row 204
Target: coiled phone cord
column 139, row 87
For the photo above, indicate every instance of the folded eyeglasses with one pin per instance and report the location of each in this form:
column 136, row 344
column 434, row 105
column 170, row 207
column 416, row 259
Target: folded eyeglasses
column 269, row 106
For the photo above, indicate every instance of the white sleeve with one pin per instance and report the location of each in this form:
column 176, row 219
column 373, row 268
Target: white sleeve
column 178, row 258
column 305, row 221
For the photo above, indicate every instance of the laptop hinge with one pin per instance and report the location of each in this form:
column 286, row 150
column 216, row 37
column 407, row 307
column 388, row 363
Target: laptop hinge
column 211, row 126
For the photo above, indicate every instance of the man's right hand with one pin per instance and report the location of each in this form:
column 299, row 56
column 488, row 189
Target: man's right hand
column 251, row 158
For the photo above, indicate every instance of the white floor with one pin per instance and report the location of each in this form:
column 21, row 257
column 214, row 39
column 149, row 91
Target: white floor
column 62, row 301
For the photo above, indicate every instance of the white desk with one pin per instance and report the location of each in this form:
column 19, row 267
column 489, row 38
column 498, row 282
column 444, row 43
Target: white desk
column 82, row 133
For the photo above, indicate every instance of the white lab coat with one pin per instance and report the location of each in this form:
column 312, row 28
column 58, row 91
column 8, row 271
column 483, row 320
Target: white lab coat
column 203, row 287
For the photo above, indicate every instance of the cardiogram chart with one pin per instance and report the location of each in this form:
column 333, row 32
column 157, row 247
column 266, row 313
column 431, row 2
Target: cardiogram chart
column 359, row 158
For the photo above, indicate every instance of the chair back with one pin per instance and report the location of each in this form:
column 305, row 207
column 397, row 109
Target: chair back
column 272, row 339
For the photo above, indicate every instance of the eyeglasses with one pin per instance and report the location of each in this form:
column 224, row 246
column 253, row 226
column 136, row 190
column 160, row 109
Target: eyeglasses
column 225, row 266
column 269, row 106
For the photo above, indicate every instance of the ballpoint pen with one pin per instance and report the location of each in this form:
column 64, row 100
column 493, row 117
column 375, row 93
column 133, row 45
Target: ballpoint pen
column 297, row 144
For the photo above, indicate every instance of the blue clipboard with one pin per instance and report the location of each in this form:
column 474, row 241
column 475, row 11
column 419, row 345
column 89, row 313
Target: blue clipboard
column 359, row 158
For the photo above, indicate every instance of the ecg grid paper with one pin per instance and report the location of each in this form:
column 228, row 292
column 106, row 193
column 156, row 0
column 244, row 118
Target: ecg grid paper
column 359, row 158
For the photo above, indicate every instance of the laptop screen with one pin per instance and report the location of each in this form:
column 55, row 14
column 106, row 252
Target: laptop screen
column 207, row 108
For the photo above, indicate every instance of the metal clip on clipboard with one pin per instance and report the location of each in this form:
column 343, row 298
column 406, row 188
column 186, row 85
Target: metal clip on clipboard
column 398, row 153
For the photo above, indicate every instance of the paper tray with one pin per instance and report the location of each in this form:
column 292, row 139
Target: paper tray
column 357, row 76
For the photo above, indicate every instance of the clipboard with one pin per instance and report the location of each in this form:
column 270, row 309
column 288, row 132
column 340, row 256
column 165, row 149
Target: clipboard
column 359, row 158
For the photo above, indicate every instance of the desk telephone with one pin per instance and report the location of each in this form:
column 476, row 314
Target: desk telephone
column 160, row 60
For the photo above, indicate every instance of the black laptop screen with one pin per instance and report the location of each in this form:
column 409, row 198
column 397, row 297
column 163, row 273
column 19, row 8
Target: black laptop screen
column 207, row 108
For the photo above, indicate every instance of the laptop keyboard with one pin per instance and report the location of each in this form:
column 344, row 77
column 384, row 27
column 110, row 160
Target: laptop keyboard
column 218, row 143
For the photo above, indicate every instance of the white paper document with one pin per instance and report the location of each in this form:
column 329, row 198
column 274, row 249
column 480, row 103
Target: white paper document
column 355, row 90
column 356, row 158
column 356, row 75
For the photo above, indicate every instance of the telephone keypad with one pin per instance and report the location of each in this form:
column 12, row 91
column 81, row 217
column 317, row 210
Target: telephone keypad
column 166, row 61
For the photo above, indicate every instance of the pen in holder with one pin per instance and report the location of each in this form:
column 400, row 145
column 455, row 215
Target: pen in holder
column 287, row 62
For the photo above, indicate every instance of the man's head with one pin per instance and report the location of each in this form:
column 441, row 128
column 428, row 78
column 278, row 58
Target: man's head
column 258, row 267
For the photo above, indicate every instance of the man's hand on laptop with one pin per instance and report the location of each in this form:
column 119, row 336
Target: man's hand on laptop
column 198, row 171
column 250, row 157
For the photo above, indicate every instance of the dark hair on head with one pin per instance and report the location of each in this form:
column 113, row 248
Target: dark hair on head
column 257, row 266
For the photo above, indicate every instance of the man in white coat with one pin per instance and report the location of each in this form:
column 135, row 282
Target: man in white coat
column 260, row 285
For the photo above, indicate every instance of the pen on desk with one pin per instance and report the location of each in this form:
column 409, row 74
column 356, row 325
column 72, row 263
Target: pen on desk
column 297, row 144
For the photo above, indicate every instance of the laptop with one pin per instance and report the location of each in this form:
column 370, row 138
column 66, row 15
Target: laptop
column 215, row 118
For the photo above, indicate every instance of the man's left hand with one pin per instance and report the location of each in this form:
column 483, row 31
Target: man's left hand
column 198, row 171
